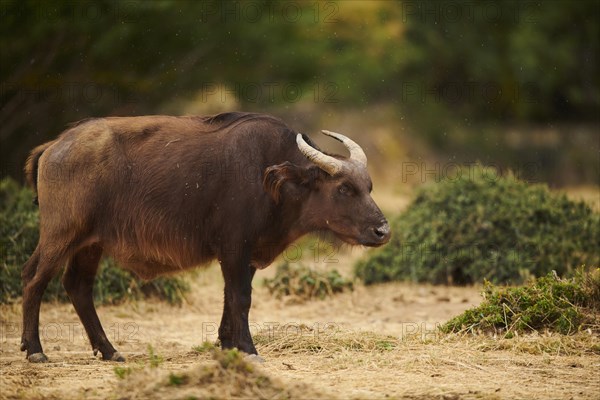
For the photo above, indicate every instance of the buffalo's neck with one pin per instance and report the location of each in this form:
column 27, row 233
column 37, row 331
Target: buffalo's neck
column 285, row 227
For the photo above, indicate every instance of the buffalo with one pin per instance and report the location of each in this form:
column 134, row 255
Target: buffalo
column 161, row 194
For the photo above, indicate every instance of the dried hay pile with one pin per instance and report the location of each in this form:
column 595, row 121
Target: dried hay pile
column 229, row 375
column 326, row 341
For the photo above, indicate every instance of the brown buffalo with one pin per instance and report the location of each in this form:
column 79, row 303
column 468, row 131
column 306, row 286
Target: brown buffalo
column 161, row 194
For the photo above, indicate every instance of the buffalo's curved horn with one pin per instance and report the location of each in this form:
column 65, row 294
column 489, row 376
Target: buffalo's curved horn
column 356, row 152
column 327, row 163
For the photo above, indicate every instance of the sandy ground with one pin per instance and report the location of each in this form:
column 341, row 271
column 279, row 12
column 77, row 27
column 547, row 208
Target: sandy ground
column 429, row 367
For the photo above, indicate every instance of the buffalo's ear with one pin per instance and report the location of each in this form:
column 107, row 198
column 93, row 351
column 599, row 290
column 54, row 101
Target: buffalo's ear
column 276, row 176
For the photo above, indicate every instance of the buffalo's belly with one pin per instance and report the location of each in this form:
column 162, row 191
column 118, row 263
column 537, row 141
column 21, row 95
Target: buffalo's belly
column 152, row 263
column 148, row 269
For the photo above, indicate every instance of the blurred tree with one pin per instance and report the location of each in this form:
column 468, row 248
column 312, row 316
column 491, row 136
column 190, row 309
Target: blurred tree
column 506, row 60
column 502, row 60
column 63, row 61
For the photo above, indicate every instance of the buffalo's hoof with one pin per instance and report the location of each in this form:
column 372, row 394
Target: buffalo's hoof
column 23, row 346
column 37, row 358
column 255, row 358
column 117, row 357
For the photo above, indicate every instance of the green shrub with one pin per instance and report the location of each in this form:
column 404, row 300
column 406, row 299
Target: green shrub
column 304, row 282
column 19, row 235
column 548, row 303
column 114, row 285
column 205, row 347
column 485, row 226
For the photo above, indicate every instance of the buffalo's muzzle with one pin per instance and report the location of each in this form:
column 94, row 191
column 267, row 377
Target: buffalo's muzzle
column 380, row 234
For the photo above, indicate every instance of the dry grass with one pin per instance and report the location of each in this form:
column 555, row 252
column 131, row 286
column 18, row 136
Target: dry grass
column 415, row 367
column 322, row 341
column 326, row 342
column 581, row 344
column 355, row 345
column 440, row 367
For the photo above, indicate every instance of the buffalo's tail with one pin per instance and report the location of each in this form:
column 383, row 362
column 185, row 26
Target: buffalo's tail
column 31, row 167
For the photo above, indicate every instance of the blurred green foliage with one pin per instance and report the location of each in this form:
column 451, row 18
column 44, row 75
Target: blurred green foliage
column 566, row 306
column 19, row 235
column 483, row 225
column 457, row 60
column 517, row 55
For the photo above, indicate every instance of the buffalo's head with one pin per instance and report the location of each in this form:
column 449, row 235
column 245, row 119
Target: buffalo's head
column 333, row 193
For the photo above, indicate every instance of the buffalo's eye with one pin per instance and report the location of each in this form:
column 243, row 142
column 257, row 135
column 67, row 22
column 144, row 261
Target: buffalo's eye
column 345, row 189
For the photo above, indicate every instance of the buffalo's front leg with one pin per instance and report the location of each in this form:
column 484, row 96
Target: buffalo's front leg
column 234, row 330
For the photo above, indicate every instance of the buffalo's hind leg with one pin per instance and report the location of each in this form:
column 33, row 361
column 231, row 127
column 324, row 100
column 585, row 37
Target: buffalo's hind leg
column 234, row 330
column 30, row 267
column 37, row 272
column 78, row 281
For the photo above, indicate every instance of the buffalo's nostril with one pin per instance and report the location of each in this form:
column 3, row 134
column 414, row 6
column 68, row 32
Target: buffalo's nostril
column 383, row 231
